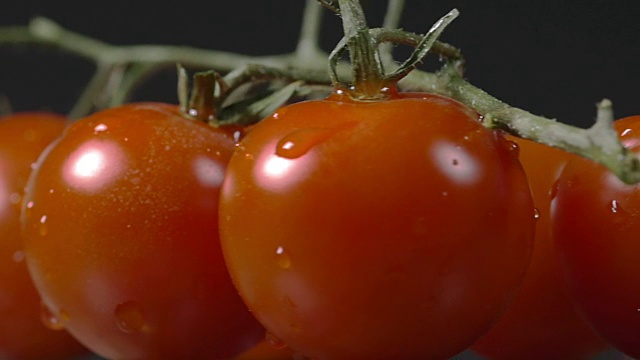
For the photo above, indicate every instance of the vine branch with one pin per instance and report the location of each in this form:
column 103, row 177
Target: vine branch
column 119, row 68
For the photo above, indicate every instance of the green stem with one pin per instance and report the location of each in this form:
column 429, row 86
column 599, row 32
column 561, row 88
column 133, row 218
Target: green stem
column 391, row 22
column 599, row 143
column 308, row 49
column 368, row 74
column 93, row 93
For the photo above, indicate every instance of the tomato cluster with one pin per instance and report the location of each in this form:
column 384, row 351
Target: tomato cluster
column 399, row 228
column 22, row 333
column 596, row 227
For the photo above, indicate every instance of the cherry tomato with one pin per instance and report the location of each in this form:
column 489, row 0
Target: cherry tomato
column 596, row 222
column 395, row 229
column 120, row 218
column 23, row 136
column 542, row 323
column 265, row 350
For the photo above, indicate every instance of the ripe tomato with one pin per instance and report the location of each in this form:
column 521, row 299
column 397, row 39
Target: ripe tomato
column 596, row 222
column 23, row 136
column 542, row 323
column 394, row 229
column 265, row 350
column 120, row 219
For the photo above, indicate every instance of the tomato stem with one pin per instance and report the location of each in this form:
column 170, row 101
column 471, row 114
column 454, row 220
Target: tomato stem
column 308, row 52
column 367, row 71
column 120, row 68
column 391, row 21
column 599, row 143
column 368, row 55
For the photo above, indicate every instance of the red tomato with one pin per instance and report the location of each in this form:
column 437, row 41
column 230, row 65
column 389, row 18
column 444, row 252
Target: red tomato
column 596, row 222
column 394, row 229
column 265, row 350
column 542, row 323
column 23, row 136
column 120, row 218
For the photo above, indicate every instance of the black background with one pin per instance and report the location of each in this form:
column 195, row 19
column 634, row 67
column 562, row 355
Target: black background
column 553, row 58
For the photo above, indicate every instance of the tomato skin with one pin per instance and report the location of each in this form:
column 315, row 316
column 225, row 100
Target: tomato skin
column 596, row 221
column 266, row 351
column 542, row 322
column 23, row 136
column 376, row 230
column 120, row 218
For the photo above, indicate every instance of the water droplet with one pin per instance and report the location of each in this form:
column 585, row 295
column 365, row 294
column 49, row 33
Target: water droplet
column 621, row 214
column 514, row 147
column 301, row 141
column 51, row 320
column 18, row 256
column 43, row 225
column 100, row 128
column 554, row 190
column 283, row 258
column 129, row 316
column 615, row 206
column 536, row 213
column 30, row 204
column 238, row 134
column 274, row 341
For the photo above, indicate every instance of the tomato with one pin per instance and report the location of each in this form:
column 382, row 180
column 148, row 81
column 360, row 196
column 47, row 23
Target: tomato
column 23, row 136
column 395, row 229
column 596, row 222
column 265, row 350
column 120, row 219
column 542, row 323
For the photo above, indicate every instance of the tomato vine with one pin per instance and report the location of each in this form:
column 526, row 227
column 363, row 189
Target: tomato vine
column 120, row 68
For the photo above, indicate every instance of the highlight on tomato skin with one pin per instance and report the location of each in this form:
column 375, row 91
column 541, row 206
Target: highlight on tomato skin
column 542, row 322
column 595, row 228
column 23, row 335
column 121, row 237
column 265, row 350
column 396, row 229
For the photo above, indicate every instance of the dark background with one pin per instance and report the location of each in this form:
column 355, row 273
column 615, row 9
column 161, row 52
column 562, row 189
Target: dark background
column 553, row 58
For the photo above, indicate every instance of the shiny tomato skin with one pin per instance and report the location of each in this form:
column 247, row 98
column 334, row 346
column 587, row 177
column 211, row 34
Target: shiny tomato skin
column 396, row 229
column 23, row 136
column 596, row 222
column 120, row 220
column 542, row 322
column 264, row 350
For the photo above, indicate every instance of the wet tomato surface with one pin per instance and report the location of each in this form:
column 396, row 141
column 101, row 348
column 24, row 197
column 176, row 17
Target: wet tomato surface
column 120, row 218
column 394, row 229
